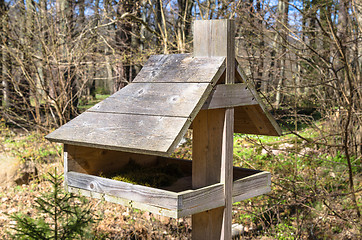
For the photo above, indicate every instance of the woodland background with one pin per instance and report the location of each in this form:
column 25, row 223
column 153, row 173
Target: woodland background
column 58, row 57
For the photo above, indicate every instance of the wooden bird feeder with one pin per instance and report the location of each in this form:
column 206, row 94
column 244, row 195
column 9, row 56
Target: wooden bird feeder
column 145, row 121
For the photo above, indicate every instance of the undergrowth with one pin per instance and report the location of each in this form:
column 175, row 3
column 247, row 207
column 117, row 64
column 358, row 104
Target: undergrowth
column 61, row 216
column 27, row 146
column 310, row 197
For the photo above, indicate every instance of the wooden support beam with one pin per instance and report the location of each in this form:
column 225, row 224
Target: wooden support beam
column 228, row 137
column 213, row 134
column 230, row 95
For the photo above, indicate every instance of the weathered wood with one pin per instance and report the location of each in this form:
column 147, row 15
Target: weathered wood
column 179, row 203
column 228, row 136
column 150, row 115
column 251, row 186
column 202, row 199
column 171, row 202
column 125, row 202
column 265, row 123
column 132, row 192
column 155, row 135
column 207, row 147
column 206, row 165
column 252, row 120
column 204, row 225
column 229, row 95
column 181, row 68
column 211, row 139
column 211, row 38
column 227, row 171
column 161, row 99
column 96, row 161
column 66, row 163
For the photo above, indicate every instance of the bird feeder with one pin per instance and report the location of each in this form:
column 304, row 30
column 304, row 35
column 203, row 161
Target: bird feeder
column 144, row 122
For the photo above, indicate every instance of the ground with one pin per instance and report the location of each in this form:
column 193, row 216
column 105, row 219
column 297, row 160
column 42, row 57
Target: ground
column 309, row 199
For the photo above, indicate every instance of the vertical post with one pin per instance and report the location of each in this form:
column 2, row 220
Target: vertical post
column 213, row 134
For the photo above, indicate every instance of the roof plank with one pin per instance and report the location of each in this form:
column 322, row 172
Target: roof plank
column 181, row 68
column 162, row 99
column 151, row 114
column 126, row 132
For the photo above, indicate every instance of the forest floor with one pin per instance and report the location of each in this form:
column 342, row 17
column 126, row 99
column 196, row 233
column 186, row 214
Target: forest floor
column 309, row 199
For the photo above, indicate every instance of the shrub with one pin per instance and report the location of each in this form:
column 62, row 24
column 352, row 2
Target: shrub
column 61, row 215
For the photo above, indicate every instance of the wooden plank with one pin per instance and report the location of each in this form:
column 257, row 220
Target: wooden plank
column 161, row 99
column 228, row 136
column 181, row 68
column 132, row 192
column 161, row 207
column 173, row 203
column 251, row 186
column 126, row 202
column 227, row 171
column 206, row 166
column 206, row 148
column 202, row 199
column 243, row 123
column 66, row 169
column 131, row 130
column 97, row 161
column 272, row 127
column 211, row 136
column 132, row 133
column 229, row 95
column 252, row 120
column 182, row 203
column 261, row 123
column 211, row 38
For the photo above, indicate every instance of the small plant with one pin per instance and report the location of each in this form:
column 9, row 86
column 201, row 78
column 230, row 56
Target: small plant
column 61, row 215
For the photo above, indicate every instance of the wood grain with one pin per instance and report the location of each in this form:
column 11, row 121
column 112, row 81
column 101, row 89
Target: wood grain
column 162, row 99
column 97, row 161
column 183, row 68
column 212, row 140
column 125, row 202
column 132, row 192
column 206, row 147
column 180, row 203
column 253, row 120
column 132, row 133
column 262, row 122
column 228, row 136
column 169, row 202
column 229, row 95
column 227, row 171
column 251, row 186
column 152, row 114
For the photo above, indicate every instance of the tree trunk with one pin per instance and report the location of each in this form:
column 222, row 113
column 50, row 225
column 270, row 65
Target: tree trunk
column 283, row 11
column 260, row 69
column 183, row 23
column 2, row 65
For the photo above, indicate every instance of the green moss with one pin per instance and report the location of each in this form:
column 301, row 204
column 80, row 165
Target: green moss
column 157, row 176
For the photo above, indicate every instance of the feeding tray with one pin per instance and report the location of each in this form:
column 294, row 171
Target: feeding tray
column 162, row 103
column 146, row 120
column 177, row 200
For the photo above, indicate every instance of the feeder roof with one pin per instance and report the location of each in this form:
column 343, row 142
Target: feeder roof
column 151, row 114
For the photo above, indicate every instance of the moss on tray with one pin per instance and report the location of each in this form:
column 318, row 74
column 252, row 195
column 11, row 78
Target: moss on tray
column 157, row 176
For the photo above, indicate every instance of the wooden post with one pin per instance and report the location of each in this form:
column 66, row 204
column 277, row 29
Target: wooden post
column 213, row 134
